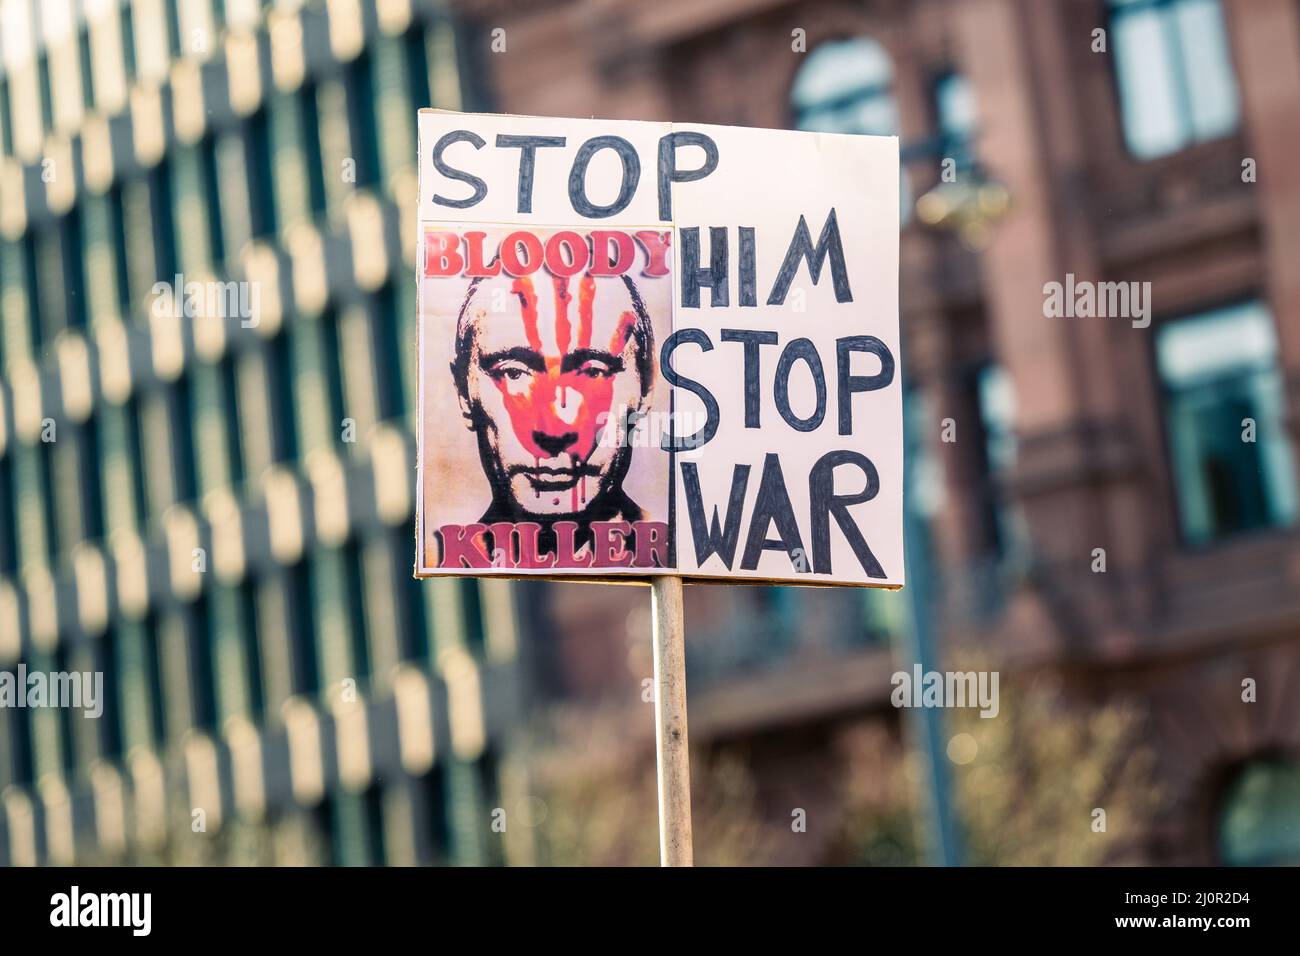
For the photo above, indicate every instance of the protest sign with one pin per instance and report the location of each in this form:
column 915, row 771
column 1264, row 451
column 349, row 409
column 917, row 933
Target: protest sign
column 658, row 349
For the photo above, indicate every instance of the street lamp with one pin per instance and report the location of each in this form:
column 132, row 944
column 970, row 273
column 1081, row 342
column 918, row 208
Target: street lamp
column 969, row 203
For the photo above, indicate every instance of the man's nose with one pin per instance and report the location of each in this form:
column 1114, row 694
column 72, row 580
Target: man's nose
column 554, row 444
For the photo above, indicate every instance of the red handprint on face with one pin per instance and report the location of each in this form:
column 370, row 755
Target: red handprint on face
column 559, row 398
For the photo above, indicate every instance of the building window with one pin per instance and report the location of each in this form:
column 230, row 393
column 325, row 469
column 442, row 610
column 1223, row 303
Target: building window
column 472, row 608
column 87, row 68
column 1174, row 73
column 34, row 505
column 995, row 397
column 311, row 147
column 284, row 434
column 360, row 78
column 8, row 538
column 116, row 244
column 52, row 292
column 1231, row 458
column 260, row 175
column 110, row 727
column 199, row 641
column 1259, row 824
column 847, row 86
column 32, row 286
column 172, row 16
column 388, row 353
column 126, row 32
column 85, row 488
column 46, row 91
column 147, row 233
column 140, row 686
column 6, row 120
column 305, row 666
column 417, row 66
column 296, row 187
column 184, row 467
column 72, row 253
column 954, row 116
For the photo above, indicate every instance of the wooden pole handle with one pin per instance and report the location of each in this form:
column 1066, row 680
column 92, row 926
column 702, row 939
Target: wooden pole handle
column 672, row 745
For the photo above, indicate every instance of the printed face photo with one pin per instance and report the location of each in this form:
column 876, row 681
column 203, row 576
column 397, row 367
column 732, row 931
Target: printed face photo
column 544, row 367
column 540, row 368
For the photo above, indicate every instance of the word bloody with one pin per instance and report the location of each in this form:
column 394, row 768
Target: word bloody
column 601, row 252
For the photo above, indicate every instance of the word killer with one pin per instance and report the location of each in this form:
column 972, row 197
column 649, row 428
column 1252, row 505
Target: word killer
column 613, row 544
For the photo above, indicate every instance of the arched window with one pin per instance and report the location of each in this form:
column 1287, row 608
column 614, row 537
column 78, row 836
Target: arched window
column 847, row 86
column 1259, row 823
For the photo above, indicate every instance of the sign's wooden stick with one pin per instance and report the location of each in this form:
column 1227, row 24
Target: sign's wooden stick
column 672, row 747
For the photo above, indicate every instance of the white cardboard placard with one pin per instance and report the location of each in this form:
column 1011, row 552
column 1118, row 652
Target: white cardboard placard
column 652, row 348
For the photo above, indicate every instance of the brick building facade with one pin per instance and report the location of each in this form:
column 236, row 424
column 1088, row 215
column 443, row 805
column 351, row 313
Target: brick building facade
column 1149, row 141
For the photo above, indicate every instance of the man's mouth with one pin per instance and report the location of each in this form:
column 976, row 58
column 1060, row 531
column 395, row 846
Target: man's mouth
column 554, row 479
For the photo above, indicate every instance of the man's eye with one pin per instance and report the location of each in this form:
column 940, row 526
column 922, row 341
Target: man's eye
column 595, row 370
column 512, row 372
